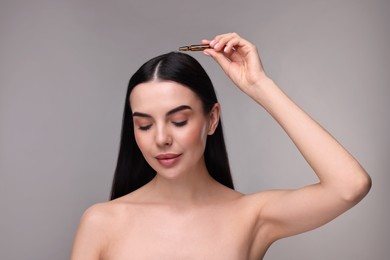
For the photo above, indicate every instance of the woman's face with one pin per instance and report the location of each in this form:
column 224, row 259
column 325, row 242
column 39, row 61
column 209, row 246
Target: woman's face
column 170, row 126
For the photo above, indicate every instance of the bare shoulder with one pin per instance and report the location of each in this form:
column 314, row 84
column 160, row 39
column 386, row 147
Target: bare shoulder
column 94, row 230
column 250, row 206
column 98, row 214
column 258, row 204
column 107, row 213
column 259, row 199
column 104, row 215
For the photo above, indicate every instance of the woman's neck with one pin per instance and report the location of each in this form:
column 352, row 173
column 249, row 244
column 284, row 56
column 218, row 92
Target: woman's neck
column 189, row 188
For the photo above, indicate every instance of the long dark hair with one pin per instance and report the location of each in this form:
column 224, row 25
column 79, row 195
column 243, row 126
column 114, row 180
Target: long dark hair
column 132, row 170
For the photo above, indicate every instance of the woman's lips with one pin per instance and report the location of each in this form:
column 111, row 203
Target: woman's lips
column 168, row 159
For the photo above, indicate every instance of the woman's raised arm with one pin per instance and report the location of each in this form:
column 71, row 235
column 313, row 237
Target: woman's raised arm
column 342, row 180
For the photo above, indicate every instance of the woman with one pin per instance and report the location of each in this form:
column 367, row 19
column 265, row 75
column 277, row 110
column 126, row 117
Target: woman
column 177, row 201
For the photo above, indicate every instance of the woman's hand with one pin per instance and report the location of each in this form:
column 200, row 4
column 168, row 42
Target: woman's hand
column 239, row 59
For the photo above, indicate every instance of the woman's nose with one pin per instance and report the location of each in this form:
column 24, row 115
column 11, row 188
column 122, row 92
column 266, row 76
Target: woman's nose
column 163, row 137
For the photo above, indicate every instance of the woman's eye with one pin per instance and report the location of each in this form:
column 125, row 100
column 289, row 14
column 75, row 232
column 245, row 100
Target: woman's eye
column 182, row 123
column 144, row 128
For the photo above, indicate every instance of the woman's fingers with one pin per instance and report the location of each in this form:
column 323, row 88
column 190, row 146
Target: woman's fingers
column 227, row 42
column 233, row 46
column 220, row 58
column 238, row 58
column 205, row 41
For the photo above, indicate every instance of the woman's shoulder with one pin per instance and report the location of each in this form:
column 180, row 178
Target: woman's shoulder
column 257, row 197
column 93, row 230
column 98, row 214
column 103, row 217
column 104, row 211
column 257, row 201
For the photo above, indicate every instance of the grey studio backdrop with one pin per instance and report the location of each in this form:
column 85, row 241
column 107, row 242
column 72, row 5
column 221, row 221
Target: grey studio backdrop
column 64, row 68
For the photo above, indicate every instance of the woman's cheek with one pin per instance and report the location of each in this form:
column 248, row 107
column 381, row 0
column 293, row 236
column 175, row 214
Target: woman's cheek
column 141, row 141
column 194, row 136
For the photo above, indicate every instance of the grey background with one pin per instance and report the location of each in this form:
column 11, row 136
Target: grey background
column 64, row 68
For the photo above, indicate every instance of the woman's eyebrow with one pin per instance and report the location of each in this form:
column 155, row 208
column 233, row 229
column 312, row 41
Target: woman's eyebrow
column 170, row 112
column 177, row 109
column 141, row 114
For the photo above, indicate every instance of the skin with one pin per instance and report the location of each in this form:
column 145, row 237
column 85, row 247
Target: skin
column 183, row 213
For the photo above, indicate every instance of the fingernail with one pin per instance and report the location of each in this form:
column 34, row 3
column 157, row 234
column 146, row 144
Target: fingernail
column 212, row 42
column 205, row 53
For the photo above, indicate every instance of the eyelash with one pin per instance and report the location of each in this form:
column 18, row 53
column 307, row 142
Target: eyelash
column 144, row 128
column 178, row 124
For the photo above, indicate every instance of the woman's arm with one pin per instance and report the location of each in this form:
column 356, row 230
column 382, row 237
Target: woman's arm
column 342, row 181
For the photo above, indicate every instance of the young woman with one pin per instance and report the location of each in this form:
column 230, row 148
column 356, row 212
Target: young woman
column 173, row 196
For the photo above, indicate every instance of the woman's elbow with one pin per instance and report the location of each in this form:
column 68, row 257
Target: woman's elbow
column 359, row 188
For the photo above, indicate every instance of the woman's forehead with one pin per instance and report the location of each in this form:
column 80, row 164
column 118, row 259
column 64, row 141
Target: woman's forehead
column 162, row 95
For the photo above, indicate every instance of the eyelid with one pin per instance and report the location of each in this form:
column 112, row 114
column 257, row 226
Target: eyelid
column 142, row 123
column 145, row 127
column 181, row 123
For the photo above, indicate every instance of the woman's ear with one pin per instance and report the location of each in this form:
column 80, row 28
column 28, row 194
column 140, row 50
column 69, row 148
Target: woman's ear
column 214, row 118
